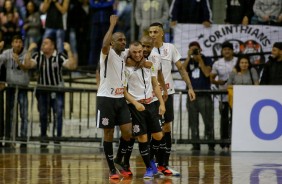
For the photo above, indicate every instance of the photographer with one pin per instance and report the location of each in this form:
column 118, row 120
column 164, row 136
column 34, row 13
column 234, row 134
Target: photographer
column 199, row 67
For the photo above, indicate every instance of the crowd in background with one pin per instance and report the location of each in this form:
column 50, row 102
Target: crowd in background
column 83, row 23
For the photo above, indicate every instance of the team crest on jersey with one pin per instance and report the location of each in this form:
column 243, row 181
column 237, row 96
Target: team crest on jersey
column 136, row 128
column 105, row 121
column 165, row 52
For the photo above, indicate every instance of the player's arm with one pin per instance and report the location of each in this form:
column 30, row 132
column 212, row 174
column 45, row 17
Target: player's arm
column 158, row 94
column 185, row 77
column 108, row 37
column 130, row 99
column 162, row 84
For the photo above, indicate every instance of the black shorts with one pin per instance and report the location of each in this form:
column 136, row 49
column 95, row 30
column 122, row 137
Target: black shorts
column 147, row 121
column 169, row 113
column 111, row 112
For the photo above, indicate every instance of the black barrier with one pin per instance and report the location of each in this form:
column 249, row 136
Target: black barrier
column 94, row 136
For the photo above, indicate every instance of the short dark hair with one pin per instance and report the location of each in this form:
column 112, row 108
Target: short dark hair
column 53, row 40
column 227, row 44
column 17, row 37
column 237, row 66
column 194, row 44
column 157, row 24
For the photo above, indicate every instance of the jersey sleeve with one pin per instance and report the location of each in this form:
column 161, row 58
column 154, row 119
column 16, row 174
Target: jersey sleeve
column 175, row 54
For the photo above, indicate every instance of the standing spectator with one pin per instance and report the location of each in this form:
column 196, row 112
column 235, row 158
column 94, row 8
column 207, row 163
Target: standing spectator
column 169, row 55
column 272, row 74
column 79, row 31
column 16, row 74
column 54, row 26
column 269, row 12
column 243, row 73
column 32, row 24
column 2, row 86
column 9, row 20
column 101, row 11
column 239, row 12
column 112, row 108
column 199, row 67
column 49, row 63
column 192, row 11
column 124, row 20
column 149, row 11
column 221, row 69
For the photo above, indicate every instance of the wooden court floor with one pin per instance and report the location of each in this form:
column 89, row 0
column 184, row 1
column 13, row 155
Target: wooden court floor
column 86, row 165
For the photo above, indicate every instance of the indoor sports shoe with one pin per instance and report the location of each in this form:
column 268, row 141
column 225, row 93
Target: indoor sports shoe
column 174, row 172
column 120, row 168
column 149, row 173
column 127, row 169
column 113, row 175
column 164, row 170
column 153, row 166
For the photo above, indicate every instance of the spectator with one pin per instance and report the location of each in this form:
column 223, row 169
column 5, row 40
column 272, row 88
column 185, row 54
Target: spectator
column 268, row 12
column 124, row 20
column 16, row 74
column 243, row 73
column 149, row 11
column 100, row 15
column 272, row 74
column 198, row 68
column 49, row 63
column 54, row 26
column 9, row 19
column 79, row 30
column 221, row 69
column 192, row 11
column 32, row 24
column 2, row 86
column 239, row 12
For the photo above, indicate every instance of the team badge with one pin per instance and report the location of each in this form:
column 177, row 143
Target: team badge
column 105, row 121
column 136, row 128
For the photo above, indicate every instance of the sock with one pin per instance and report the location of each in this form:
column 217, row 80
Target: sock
column 128, row 152
column 167, row 137
column 144, row 151
column 154, row 147
column 161, row 153
column 121, row 149
column 108, row 150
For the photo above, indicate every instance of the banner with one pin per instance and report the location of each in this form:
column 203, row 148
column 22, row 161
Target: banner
column 257, row 118
column 245, row 39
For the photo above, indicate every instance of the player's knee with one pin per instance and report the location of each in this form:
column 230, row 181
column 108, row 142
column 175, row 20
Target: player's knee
column 108, row 135
column 167, row 127
column 157, row 136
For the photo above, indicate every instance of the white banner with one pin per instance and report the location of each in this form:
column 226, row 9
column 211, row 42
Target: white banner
column 257, row 118
column 245, row 39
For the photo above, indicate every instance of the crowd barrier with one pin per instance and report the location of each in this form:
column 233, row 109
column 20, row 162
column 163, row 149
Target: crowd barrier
column 79, row 123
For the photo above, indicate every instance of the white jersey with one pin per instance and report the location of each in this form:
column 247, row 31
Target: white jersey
column 222, row 69
column 169, row 55
column 155, row 58
column 139, row 82
column 112, row 79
